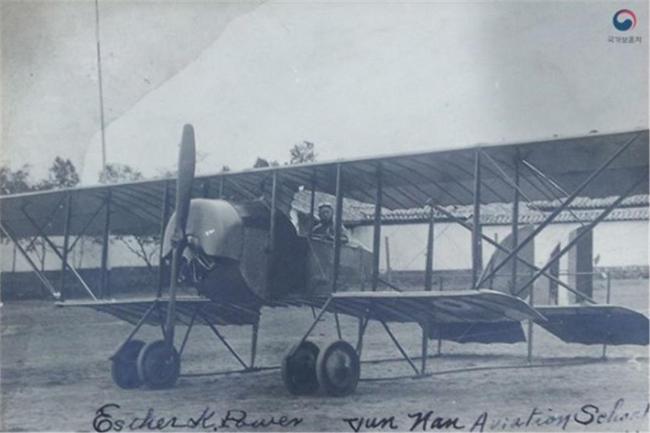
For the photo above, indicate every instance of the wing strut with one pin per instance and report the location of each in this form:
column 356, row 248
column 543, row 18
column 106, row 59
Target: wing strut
column 562, row 207
column 61, row 255
column 46, row 283
column 588, row 228
column 507, row 251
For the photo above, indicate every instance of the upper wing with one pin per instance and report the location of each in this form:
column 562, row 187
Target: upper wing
column 408, row 181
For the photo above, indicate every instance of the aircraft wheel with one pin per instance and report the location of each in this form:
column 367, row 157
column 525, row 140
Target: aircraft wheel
column 159, row 365
column 124, row 365
column 338, row 369
column 299, row 370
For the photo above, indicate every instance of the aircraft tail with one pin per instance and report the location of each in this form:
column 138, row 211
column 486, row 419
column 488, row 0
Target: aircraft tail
column 502, row 281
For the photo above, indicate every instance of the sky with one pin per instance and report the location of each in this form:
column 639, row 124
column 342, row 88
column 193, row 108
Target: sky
column 357, row 79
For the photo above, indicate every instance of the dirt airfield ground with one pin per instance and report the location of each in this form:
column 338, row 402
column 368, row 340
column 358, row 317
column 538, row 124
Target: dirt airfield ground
column 55, row 376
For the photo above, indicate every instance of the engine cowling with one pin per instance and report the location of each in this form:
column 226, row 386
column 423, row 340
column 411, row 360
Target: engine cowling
column 212, row 225
column 228, row 255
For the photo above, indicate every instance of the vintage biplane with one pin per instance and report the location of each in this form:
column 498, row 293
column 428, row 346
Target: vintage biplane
column 230, row 239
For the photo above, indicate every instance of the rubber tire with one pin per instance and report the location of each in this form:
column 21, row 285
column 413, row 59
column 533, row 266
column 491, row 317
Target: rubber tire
column 326, row 382
column 299, row 370
column 124, row 365
column 159, row 365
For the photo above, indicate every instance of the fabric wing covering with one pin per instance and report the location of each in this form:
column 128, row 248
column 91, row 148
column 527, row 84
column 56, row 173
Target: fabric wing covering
column 408, row 180
column 458, row 306
column 202, row 309
column 596, row 324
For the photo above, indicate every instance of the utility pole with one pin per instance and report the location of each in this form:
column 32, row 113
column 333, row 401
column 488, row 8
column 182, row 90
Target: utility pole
column 100, row 84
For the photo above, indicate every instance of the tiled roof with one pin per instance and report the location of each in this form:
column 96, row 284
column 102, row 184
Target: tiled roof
column 622, row 214
column 634, row 208
column 405, row 216
column 640, row 200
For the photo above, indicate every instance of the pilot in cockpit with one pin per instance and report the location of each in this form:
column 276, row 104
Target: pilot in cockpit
column 325, row 227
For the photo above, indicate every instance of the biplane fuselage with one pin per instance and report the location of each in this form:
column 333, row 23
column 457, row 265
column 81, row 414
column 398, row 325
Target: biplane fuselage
column 230, row 257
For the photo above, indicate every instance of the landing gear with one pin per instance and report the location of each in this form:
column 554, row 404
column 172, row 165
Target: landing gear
column 124, row 365
column 338, row 369
column 299, row 369
column 159, row 365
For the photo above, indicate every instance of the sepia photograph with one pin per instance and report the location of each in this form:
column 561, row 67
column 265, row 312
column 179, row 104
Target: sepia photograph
column 329, row 216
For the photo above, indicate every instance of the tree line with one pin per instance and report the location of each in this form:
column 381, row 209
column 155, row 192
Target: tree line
column 62, row 173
